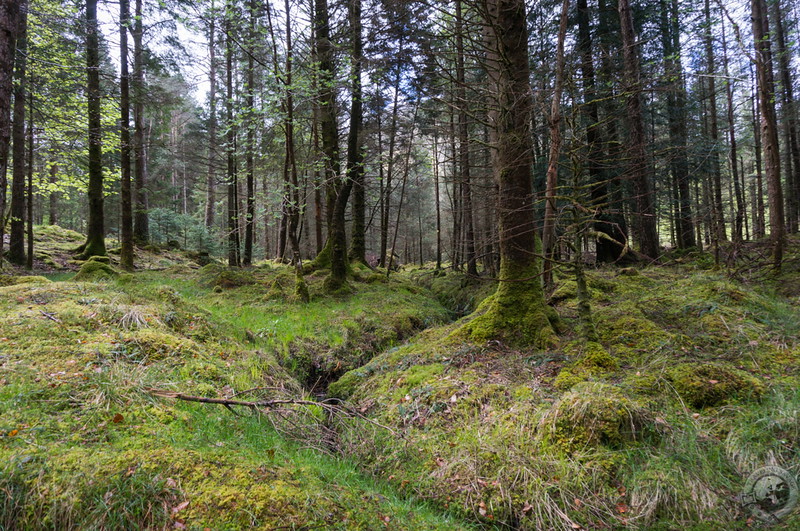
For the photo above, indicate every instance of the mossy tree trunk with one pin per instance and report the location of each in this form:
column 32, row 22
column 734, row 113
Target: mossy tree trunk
column 517, row 311
column 95, row 238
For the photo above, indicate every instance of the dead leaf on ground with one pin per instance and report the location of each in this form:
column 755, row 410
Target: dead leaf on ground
column 181, row 506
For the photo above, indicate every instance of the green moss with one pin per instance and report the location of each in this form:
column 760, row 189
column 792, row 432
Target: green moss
column 594, row 361
column 592, row 414
column 11, row 280
column 516, row 313
column 711, row 384
column 216, row 275
column 149, row 345
column 93, row 270
column 301, row 288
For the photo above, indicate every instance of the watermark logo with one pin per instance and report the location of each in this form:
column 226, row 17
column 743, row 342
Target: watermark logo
column 770, row 493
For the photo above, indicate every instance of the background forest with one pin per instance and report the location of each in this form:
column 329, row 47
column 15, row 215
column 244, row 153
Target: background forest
column 664, row 132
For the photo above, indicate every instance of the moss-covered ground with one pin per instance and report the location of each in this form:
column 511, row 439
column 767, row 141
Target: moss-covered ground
column 85, row 444
column 691, row 385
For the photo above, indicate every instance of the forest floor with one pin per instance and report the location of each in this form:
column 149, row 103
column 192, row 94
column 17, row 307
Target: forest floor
column 691, row 385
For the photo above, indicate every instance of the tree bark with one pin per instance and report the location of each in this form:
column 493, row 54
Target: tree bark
column 355, row 148
column 464, row 147
column 141, row 222
column 95, row 238
column 211, row 172
column 16, row 244
column 769, row 129
column 126, row 197
column 9, row 15
column 234, row 259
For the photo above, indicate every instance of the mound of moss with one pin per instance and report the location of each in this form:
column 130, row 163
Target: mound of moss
column 592, row 414
column 11, row 280
column 594, row 361
column 96, row 268
column 217, row 275
column 712, row 384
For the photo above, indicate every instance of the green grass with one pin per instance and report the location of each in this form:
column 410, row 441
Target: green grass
column 84, row 444
column 692, row 385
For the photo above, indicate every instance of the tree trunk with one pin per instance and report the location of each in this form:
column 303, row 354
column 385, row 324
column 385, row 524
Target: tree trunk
column 437, row 201
column 718, row 215
column 290, row 163
column 638, row 172
column 250, row 215
column 126, row 198
column 16, row 244
column 230, row 146
column 549, row 230
column 769, row 129
column 387, row 184
column 29, row 187
column 211, row 173
column 338, row 188
column 759, row 224
column 9, row 18
column 355, row 149
column 141, row 223
column 788, row 105
column 464, row 147
column 52, row 211
column 516, row 312
column 95, row 238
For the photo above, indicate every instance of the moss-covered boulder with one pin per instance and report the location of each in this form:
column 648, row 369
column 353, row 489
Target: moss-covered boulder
column 711, row 384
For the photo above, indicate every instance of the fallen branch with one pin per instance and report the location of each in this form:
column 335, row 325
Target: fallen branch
column 328, row 407
column 266, row 404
